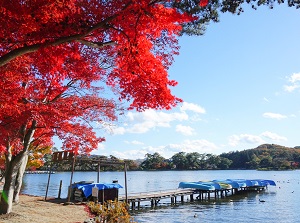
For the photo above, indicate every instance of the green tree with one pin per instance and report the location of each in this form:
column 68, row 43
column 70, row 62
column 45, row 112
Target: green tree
column 131, row 164
column 179, row 160
column 193, row 161
column 281, row 164
column 254, row 162
column 265, row 162
column 213, row 161
column 224, row 163
column 154, row 161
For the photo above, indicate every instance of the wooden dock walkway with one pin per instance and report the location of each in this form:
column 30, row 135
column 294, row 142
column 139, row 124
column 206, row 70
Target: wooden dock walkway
column 178, row 196
column 154, row 197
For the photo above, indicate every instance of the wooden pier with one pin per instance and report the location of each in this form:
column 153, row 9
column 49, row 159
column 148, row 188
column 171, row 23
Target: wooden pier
column 178, row 196
column 134, row 200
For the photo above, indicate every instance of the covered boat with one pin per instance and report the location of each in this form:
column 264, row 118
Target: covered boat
column 233, row 184
column 106, row 191
column 205, row 185
column 87, row 188
column 253, row 182
column 197, row 185
column 227, row 184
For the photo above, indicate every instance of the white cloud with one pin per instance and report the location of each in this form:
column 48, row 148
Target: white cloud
column 118, row 130
column 265, row 99
column 150, row 119
column 274, row 115
column 185, row 130
column 200, row 146
column 101, row 146
column 134, row 142
column 142, row 122
column 294, row 79
column 273, row 136
column 192, row 107
column 290, row 88
column 235, row 140
column 130, row 154
column 167, row 151
column 140, row 153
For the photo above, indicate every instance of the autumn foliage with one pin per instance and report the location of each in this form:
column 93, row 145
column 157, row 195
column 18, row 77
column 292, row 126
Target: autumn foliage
column 53, row 53
column 65, row 66
column 203, row 3
column 36, row 156
column 110, row 212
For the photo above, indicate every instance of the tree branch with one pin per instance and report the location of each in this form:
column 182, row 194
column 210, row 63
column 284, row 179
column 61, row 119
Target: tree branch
column 96, row 44
column 33, row 48
column 18, row 52
column 79, row 37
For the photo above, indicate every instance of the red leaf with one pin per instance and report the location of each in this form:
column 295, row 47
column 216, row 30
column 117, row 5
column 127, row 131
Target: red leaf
column 203, row 3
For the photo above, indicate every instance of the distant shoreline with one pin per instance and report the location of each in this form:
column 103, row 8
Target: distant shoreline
column 39, row 172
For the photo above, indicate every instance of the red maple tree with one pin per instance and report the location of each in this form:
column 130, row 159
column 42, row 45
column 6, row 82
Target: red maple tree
column 57, row 57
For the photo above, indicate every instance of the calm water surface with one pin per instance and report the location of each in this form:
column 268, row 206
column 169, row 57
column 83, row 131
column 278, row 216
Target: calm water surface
column 282, row 202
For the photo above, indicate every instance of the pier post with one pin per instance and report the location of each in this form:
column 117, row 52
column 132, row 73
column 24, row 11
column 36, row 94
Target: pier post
column 125, row 176
column 191, row 197
column 71, row 179
column 132, row 205
column 98, row 173
column 48, row 182
column 152, row 202
column 182, row 199
column 59, row 190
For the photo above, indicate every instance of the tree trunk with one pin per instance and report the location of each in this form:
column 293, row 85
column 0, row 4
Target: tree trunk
column 13, row 164
column 19, row 178
column 9, row 187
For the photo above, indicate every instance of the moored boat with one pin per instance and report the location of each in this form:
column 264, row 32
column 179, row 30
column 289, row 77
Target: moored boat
column 227, row 184
column 232, row 184
column 197, row 185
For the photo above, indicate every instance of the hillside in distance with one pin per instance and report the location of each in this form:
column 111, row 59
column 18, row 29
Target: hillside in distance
column 264, row 157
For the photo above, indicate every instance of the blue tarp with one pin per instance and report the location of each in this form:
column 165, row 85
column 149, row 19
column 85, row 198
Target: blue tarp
column 87, row 188
column 235, row 183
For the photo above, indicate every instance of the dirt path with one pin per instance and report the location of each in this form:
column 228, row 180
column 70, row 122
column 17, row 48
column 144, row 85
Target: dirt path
column 36, row 210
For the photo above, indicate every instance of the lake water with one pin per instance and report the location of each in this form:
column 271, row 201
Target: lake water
column 282, row 201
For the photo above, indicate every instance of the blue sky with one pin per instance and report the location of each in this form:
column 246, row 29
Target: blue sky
column 240, row 83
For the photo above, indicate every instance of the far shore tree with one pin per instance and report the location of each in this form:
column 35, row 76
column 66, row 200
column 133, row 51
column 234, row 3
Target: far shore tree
column 59, row 57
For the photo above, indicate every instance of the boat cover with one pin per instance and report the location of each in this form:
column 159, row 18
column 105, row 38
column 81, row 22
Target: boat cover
column 221, row 184
column 197, row 185
column 87, row 188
